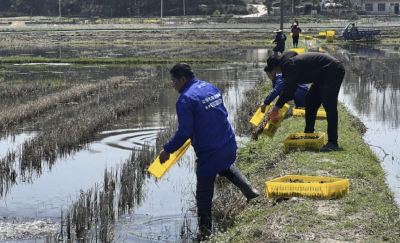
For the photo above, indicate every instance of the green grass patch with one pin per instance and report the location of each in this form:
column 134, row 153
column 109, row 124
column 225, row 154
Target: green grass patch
column 367, row 214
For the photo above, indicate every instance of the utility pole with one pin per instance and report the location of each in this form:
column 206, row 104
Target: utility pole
column 184, row 11
column 161, row 9
column 292, row 7
column 282, row 14
column 59, row 8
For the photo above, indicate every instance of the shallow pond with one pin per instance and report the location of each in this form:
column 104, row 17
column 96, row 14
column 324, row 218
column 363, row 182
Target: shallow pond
column 373, row 95
column 33, row 209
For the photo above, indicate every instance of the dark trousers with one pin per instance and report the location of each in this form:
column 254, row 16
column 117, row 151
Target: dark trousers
column 325, row 92
column 205, row 190
column 295, row 40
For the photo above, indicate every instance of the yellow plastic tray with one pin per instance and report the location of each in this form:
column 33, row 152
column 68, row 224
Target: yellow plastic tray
column 271, row 127
column 330, row 33
column 158, row 170
column 258, row 116
column 316, row 141
column 321, row 113
column 308, row 37
column 307, row 186
column 322, row 34
column 298, row 50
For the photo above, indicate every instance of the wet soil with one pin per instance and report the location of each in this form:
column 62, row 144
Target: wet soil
column 127, row 37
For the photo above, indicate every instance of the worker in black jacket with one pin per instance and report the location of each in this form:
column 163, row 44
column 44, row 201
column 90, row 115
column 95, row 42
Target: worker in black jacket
column 326, row 75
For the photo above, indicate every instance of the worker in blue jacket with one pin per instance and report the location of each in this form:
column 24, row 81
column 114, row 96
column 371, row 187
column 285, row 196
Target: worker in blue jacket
column 202, row 117
column 277, row 86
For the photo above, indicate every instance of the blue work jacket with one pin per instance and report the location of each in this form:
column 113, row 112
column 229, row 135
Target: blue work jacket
column 203, row 118
column 277, row 86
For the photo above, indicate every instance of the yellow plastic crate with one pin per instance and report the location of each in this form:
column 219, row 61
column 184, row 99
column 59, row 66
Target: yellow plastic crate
column 298, row 50
column 329, row 38
column 330, row 33
column 300, row 35
column 312, row 141
column 307, row 186
column 271, row 127
column 321, row 113
column 322, row 34
column 258, row 116
column 158, row 170
column 308, row 37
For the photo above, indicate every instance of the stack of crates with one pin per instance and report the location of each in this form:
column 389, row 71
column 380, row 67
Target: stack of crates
column 330, row 35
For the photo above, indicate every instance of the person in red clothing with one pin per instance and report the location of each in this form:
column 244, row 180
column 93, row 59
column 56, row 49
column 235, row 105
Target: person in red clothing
column 296, row 31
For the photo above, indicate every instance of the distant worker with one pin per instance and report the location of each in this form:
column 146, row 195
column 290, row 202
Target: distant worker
column 202, row 117
column 280, row 40
column 326, row 75
column 295, row 21
column 296, row 31
column 353, row 31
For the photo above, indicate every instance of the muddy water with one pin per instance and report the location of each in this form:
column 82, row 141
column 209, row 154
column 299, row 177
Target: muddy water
column 376, row 101
column 230, row 52
column 32, row 209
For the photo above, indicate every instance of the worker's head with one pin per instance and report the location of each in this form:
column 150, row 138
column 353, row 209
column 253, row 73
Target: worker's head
column 273, row 64
column 181, row 73
column 270, row 72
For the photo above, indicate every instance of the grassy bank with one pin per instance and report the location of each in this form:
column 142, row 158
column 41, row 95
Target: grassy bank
column 367, row 214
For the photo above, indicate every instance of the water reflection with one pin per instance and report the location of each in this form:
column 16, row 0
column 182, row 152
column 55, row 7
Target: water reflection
column 230, row 52
column 172, row 198
column 372, row 92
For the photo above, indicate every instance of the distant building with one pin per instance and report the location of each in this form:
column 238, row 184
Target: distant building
column 385, row 7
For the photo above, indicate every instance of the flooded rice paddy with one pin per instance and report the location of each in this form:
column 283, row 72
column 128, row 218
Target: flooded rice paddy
column 372, row 92
column 32, row 202
column 164, row 211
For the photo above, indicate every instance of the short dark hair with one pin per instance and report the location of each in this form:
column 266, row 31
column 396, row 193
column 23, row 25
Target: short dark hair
column 182, row 70
column 268, row 69
column 273, row 62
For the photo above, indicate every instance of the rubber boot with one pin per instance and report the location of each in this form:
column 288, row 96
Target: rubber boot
column 240, row 181
column 205, row 223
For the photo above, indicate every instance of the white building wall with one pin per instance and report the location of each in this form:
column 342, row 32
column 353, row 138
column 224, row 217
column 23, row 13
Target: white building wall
column 389, row 7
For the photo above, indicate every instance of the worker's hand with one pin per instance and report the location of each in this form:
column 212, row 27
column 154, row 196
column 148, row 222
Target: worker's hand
column 163, row 156
column 274, row 115
column 263, row 106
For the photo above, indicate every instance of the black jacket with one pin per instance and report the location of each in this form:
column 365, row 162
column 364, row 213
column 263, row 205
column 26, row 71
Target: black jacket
column 280, row 39
column 306, row 68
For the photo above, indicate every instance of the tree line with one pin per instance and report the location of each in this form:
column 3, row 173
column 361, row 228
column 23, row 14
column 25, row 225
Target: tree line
column 119, row 8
